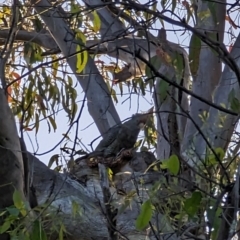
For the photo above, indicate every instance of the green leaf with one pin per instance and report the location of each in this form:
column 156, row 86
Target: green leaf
column 38, row 232
column 144, row 216
column 110, row 174
column 75, row 209
column 235, row 105
column 74, row 8
column 141, row 86
column 32, row 53
column 53, row 159
column 174, row 4
column 173, row 164
column 2, row 213
column 163, row 88
column 154, row 62
column 212, row 160
column 80, row 36
column 60, row 235
column 96, row 21
column 55, row 65
column 6, row 225
column 53, row 123
column 36, row 123
column 191, row 205
column 213, row 7
column 178, row 64
column 13, row 211
column 17, row 200
column 154, row 6
column 148, row 72
column 234, row 102
column 70, row 81
column 38, row 25
column 214, row 219
column 164, row 164
column 74, row 109
column 194, row 53
column 82, row 59
column 82, row 55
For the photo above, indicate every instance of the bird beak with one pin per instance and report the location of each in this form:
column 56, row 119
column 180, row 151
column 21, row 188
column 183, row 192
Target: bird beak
column 150, row 111
column 143, row 118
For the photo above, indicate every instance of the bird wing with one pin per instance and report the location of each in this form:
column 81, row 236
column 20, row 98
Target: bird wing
column 108, row 138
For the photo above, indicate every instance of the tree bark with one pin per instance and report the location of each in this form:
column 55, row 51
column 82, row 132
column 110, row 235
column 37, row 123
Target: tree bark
column 83, row 187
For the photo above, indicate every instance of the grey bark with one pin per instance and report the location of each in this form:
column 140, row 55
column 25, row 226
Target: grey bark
column 221, row 125
column 44, row 39
column 59, row 191
column 206, row 80
column 11, row 171
column 11, row 162
column 111, row 26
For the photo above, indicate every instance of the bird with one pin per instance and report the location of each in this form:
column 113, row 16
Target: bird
column 120, row 137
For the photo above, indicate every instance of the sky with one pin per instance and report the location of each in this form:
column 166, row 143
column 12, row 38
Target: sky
column 43, row 144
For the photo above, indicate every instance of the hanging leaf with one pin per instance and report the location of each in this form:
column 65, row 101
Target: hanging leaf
column 194, row 53
column 96, row 21
column 38, row 232
column 53, row 123
column 178, row 64
column 17, row 199
column 82, row 55
column 75, row 209
column 80, row 36
column 174, row 4
column 144, row 216
column 213, row 160
column 18, row 202
column 82, row 58
column 60, row 234
column 13, row 211
column 213, row 7
column 141, row 86
column 234, row 102
column 36, row 123
column 55, row 66
column 74, row 109
column 214, row 217
column 189, row 10
column 32, row 53
column 53, row 159
column 173, row 164
column 192, row 205
column 163, row 90
column 154, row 62
column 6, row 225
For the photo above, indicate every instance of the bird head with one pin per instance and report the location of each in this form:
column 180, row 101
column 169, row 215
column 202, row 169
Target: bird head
column 142, row 118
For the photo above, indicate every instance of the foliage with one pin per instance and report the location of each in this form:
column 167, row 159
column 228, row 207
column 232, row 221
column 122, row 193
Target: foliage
column 19, row 223
column 198, row 171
